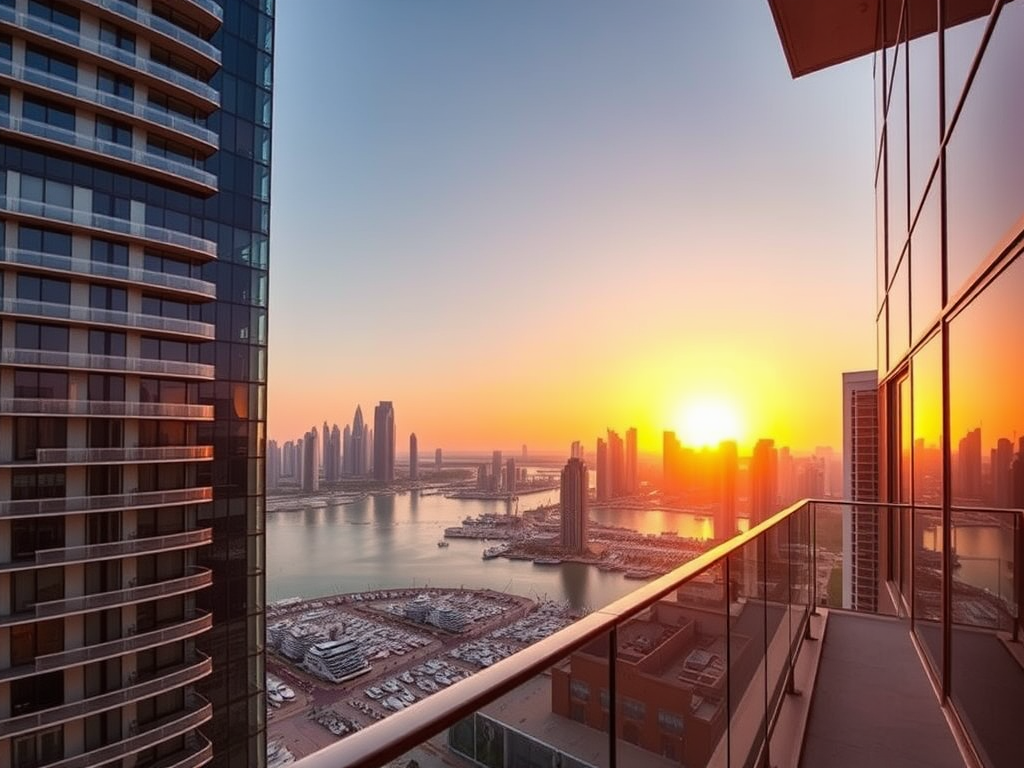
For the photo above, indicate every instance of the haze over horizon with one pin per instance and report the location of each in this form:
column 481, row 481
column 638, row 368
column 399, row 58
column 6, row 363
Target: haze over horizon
column 529, row 223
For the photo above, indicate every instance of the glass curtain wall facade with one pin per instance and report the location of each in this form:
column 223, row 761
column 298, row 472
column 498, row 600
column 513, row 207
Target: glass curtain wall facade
column 134, row 226
column 950, row 221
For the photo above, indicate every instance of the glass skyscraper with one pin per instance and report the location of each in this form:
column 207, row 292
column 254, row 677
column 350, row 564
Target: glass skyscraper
column 134, row 231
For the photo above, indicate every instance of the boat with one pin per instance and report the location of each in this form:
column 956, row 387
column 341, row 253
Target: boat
column 547, row 561
column 492, row 552
column 442, row 544
column 639, row 575
column 274, row 697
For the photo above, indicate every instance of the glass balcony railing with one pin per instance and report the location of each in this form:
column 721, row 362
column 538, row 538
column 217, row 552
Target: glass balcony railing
column 96, row 46
column 107, row 503
column 27, row 308
column 209, row 7
column 196, row 712
column 695, row 667
column 109, row 224
column 168, row 679
column 123, row 455
column 160, row 25
column 39, row 406
column 127, row 548
column 83, row 361
column 181, row 171
column 198, row 751
column 127, row 107
column 51, row 261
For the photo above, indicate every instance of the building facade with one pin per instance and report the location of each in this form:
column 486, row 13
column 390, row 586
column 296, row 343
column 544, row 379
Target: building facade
column 860, row 478
column 384, row 443
column 573, row 504
column 134, row 232
column 414, row 458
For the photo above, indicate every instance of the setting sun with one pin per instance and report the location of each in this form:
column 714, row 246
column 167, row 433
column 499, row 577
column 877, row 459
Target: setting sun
column 707, row 422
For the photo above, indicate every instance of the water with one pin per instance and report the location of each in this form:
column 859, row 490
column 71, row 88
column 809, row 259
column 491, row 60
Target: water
column 390, row 541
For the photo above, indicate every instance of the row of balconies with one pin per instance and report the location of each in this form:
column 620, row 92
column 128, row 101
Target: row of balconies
column 120, row 106
column 195, row 579
column 110, row 225
column 93, row 45
column 82, row 361
column 38, row 406
column 113, row 549
column 172, row 36
column 178, row 676
column 115, row 502
column 44, row 310
column 127, row 455
column 49, row 262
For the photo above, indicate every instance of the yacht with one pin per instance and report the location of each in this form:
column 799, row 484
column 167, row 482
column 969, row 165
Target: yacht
column 442, row 543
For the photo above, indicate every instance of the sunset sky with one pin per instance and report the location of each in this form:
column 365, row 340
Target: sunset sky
column 527, row 222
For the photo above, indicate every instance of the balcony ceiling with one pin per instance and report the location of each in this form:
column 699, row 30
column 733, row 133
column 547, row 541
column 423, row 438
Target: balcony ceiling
column 817, row 34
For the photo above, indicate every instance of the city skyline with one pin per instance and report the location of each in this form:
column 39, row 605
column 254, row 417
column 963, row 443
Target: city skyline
column 578, row 149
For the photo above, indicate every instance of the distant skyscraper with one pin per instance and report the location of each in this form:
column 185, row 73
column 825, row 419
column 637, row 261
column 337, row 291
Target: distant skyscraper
column 483, row 483
column 332, row 454
column 273, row 465
column 672, row 460
column 728, row 454
column 325, row 459
column 573, row 502
column 510, row 476
column 576, row 450
column 346, row 451
column 603, row 489
column 1002, row 473
column 311, row 462
column 787, row 477
column 438, row 460
column 764, row 480
column 289, row 461
column 968, row 467
column 384, row 442
column 860, row 481
column 414, row 458
column 524, row 451
column 360, row 442
column 496, row 471
column 616, row 464
column 632, row 467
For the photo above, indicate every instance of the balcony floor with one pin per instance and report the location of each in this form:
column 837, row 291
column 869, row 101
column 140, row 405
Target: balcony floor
column 873, row 703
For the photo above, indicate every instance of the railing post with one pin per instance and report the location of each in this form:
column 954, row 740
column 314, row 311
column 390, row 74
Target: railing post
column 613, row 646
column 790, row 677
column 813, row 512
column 728, row 662
column 1018, row 574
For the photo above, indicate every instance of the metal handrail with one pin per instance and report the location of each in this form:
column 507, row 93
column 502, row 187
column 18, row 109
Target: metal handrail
column 123, row 408
column 113, row 502
column 109, row 317
column 49, row 358
column 121, row 455
column 160, row 25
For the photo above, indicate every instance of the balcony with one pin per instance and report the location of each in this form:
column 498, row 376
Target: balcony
column 40, row 406
column 197, row 578
column 107, row 53
column 109, row 225
column 186, row 130
column 115, row 502
column 132, row 455
column 196, row 712
column 721, row 648
column 171, row 35
column 135, row 321
column 198, row 751
column 195, row 623
column 113, row 549
column 168, row 679
column 82, row 361
column 117, row 273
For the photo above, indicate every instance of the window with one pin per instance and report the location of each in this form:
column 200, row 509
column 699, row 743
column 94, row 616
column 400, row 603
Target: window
column 39, row 748
column 43, row 384
column 113, row 131
column 31, row 694
column 105, row 433
column 171, row 150
column 45, row 61
column 116, row 36
column 44, row 240
column 170, row 104
column 165, row 349
column 161, row 433
column 111, row 205
column 105, row 297
column 154, row 262
column 174, row 61
column 670, row 722
column 45, row 289
column 37, row 484
column 166, row 391
column 47, row 190
column 108, row 82
column 155, row 305
column 31, row 640
column 5, row 101
column 107, row 343
column 38, row 336
column 635, row 710
column 578, row 689
column 28, row 535
column 109, row 252
column 47, row 112
column 56, row 12
column 106, row 387
column 5, row 47
column 32, row 434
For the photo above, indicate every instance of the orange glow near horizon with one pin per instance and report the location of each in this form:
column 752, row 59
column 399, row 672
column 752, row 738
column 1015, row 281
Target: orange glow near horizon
column 707, row 421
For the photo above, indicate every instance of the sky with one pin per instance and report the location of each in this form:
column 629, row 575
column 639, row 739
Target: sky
column 529, row 222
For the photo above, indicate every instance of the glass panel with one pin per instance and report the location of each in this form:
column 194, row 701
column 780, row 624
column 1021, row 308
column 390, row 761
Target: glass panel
column 962, row 42
column 899, row 315
column 923, row 60
column 985, row 158
column 746, row 660
column 926, row 265
column 896, row 146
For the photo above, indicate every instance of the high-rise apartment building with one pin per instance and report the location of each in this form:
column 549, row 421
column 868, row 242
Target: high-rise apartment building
column 134, row 231
column 764, row 481
column 384, row 443
column 510, row 476
column 632, row 476
column 573, row 504
column 273, row 465
column 438, row 460
column 496, row 471
column 603, row 474
column 310, row 479
column 414, row 458
column 358, row 448
column 729, row 463
column 860, row 478
column 616, row 464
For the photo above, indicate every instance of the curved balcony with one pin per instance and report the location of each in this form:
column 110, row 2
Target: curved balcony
column 50, row 262
column 161, row 73
column 164, row 680
column 109, row 225
column 165, row 453
column 197, row 711
column 40, row 406
column 116, row 154
column 45, row 358
column 44, row 310
column 197, row 578
column 113, row 549
column 189, row 130
column 198, row 751
column 171, row 34
column 195, row 623
column 208, row 10
column 115, row 502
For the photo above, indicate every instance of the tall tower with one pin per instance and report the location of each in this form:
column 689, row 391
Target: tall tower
column 764, row 482
column 632, row 468
column 384, row 442
column 414, row 458
column 860, row 481
column 728, row 456
column 496, row 471
column 311, row 462
column 573, row 502
column 510, row 476
column 438, row 460
column 134, row 379
column 359, row 440
column 603, row 479
column 616, row 464
column 273, row 465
